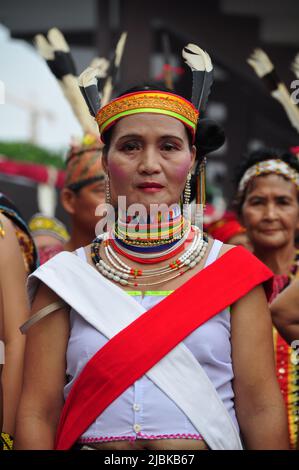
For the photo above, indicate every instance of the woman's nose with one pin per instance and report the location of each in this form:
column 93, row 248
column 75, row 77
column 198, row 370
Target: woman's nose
column 270, row 211
column 149, row 161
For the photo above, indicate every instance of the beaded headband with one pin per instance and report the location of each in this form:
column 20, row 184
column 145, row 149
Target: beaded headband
column 277, row 167
column 148, row 102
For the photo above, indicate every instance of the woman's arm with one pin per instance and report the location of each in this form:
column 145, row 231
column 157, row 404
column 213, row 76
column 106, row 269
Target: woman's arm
column 259, row 405
column 285, row 312
column 44, row 378
column 1, row 362
column 14, row 309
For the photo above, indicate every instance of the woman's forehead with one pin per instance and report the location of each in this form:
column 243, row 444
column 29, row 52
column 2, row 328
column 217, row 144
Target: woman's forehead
column 149, row 123
column 272, row 183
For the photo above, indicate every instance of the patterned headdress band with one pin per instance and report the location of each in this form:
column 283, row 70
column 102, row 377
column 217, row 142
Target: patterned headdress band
column 84, row 165
column 148, row 102
column 41, row 224
column 277, row 167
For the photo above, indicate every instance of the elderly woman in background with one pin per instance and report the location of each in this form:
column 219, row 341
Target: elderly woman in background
column 267, row 203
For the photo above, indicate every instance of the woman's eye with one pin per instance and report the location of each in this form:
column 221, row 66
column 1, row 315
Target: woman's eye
column 130, row 146
column 168, row 147
column 283, row 202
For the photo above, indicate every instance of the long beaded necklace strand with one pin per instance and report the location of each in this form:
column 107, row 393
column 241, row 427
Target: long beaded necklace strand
column 118, row 271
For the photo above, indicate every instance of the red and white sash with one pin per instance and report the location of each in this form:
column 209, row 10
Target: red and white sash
column 157, row 335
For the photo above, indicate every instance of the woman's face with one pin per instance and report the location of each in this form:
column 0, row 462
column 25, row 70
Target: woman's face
column 148, row 160
column 270, row 211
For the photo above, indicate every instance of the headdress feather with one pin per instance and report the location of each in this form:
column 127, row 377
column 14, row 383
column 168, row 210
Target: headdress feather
column 56, row 52
column 202, row 70
column 264, row 68
column 113, row 68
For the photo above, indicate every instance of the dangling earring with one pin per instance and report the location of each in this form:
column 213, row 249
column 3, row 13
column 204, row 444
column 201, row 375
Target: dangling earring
column 200, row 193
column 187, row 190
column 107, row 189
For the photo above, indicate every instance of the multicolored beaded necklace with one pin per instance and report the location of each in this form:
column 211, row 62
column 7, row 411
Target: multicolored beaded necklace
column 142, row 249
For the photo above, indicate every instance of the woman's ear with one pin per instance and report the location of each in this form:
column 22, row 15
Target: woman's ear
column 68, row 200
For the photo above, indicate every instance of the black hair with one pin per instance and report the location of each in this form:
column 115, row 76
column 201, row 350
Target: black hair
column 256, row 156
column 209, row 135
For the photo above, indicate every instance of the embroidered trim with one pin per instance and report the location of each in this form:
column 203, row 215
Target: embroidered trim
column 150, row 293
column 139, row 435
column 148, row 101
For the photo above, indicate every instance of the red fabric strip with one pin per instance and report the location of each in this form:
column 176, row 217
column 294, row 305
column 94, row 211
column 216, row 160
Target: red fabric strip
column 32, row 171
column 116, row 366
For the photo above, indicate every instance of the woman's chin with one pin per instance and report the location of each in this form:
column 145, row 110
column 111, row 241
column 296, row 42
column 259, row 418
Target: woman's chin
column 268, row 241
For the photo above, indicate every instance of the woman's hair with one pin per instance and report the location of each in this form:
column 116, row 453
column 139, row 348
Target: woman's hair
column 256, row 156
column 209, row 135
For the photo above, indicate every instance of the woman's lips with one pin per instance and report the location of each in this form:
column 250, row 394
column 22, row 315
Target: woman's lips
column 150, row 187
column 270, row 230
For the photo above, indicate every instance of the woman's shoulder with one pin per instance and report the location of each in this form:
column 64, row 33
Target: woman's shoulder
column 6, row 226
column 225, row 248
column 8, row 240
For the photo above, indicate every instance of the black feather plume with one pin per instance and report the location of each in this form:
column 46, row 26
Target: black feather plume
column 202, row 71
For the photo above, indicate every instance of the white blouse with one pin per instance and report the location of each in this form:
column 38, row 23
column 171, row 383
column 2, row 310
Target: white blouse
column 143, row 411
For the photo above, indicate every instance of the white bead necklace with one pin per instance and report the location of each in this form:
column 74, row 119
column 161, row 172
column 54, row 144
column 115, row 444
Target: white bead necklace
column 120, row 272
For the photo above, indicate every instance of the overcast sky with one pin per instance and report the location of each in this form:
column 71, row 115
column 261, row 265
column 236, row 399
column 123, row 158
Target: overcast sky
column 28, row 81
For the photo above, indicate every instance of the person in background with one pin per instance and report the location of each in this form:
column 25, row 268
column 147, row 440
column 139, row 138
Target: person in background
column 2, row 358
column 267, row 204
column 50, row 235
column 229, row 230
column 84, row 190
column 18, row 258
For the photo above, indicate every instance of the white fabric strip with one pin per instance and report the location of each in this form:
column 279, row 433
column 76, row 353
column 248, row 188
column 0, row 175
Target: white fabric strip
column 178, row 374
column 214, row 252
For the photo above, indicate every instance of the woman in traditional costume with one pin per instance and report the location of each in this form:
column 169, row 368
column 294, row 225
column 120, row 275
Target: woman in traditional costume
column 267, row 202
column 18, row 258
column 143, row 339
column 285, row 314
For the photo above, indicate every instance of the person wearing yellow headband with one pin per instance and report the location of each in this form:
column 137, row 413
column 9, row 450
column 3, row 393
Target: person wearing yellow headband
column 49, row 234
column 140, row 319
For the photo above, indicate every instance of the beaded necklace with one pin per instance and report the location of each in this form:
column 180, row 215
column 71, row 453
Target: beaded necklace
column 117, row 270
column 164, row 230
